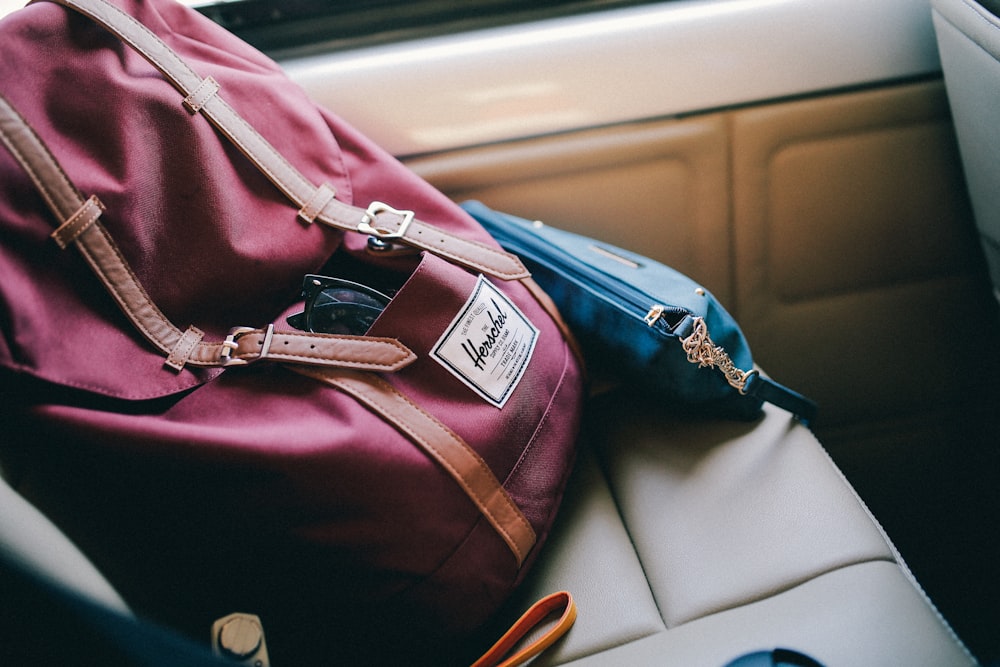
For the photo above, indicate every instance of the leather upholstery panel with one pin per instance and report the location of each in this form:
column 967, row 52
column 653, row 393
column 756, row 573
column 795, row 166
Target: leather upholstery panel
column 845, row 184
column 28, row 538
column 853, row 235
column 867, row 614
column 723, row 513
column 969, row 41
column 749, row 538
column 658, row 189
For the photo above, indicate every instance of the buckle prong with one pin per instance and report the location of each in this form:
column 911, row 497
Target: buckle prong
column 366, row 226
column 230, row 345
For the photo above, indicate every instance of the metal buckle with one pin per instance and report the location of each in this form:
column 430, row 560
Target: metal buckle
column 230, row 345
column 376, row 207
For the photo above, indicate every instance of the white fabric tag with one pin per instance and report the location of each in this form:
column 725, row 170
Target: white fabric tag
column 488, row 345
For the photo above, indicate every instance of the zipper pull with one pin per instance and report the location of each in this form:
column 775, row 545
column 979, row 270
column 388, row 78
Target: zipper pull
column 654, row 314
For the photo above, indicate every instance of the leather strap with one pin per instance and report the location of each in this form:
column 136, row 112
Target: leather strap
column 202, row 96
column 443, row 445
column 534, row 617
column 240, row 636
column 81, row 227
column 769, row 391
column 318, row 352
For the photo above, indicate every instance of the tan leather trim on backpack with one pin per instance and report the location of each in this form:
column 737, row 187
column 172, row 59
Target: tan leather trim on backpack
column 80, row 223
column 245, row 345
column 470, row 254
column 443, row 445
column 546, row 302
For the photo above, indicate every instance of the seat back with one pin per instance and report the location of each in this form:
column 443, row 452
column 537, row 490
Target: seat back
column 968, row 35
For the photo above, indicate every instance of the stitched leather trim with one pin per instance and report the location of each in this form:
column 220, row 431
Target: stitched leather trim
column 184, row 347
column 79, row 222
column 181, row 347
column 62, row 198
column 312, row 208
column 197, row 99
column 546, row 302
column 442, row 444
column 384, row 355
column 480, row 257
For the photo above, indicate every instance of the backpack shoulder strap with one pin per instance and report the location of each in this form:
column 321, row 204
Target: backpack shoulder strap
column 311, row 354
column 81, row 226
column 202, row 95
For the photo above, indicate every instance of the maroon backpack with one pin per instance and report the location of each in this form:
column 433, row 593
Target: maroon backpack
column 360, row 483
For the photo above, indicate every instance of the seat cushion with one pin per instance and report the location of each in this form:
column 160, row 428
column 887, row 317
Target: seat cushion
column 29, row 539
column 692, row 542
column 685, row 542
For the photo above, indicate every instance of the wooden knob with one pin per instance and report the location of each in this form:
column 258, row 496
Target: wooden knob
column 240, row 636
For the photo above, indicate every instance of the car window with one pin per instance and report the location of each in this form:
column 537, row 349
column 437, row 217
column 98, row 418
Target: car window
column 331, row 24
column 312, row 25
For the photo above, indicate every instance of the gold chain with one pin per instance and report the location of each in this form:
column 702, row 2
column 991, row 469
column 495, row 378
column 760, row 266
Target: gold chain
column 702, row 351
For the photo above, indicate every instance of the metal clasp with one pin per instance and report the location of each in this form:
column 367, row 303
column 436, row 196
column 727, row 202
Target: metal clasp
column 229, row 345
column 376, row 207
column 706, row 354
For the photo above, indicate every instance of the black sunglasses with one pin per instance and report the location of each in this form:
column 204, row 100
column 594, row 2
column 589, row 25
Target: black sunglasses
column 338, row 306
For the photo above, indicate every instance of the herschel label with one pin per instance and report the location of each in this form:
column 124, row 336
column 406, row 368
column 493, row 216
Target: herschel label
column 488, row 345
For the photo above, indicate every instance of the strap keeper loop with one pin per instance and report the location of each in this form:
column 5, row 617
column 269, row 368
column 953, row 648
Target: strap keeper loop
column 205, row 91
column 265, row 347
column 78, row 223
column 312, row 208
column 184, row 347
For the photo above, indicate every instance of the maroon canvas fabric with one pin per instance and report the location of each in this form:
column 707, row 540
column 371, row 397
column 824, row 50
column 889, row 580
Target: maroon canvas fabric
column 202, row 490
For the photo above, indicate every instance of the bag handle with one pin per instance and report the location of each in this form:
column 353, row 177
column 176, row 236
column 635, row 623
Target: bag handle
column 385, row 223
column 532, row 619
column 82, row 227
column 240, row 637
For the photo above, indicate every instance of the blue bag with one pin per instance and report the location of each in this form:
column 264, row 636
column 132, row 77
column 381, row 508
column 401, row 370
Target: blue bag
column 644, row 323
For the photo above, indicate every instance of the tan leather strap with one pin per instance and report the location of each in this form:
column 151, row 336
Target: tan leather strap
column 202, row 95
column 502, row 654
column 444, row 446
column 245, row 345
column 80, row 226
column 546, row 302
column 240, row 637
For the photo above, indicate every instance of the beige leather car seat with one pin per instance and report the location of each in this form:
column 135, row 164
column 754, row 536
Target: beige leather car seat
column 693, row 542
column 28, row 539
column 685, row 542
column 968, row 35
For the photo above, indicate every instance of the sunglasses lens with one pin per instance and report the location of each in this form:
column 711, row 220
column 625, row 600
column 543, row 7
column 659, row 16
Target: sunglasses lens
column 339, row 294
column 337, row 317
column 339, row 307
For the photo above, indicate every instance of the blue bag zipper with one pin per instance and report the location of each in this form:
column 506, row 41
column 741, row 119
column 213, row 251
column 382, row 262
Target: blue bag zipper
column 664, row 319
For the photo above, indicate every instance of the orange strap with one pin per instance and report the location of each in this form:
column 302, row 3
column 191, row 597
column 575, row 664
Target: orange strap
column 534, row 617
